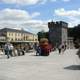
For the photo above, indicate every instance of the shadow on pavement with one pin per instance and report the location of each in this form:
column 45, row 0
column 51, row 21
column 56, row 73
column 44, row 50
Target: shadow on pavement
column 73, row 67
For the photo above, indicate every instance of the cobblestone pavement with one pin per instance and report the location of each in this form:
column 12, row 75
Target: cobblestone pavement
column 30, row 67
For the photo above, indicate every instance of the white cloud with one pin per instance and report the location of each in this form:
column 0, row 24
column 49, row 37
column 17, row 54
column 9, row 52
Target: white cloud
column 72, row 16
column 14, row 14
column 63, row 12
column 29, row 2
column 15, row 18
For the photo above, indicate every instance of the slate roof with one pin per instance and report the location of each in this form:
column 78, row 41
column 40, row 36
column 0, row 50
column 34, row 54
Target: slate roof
column 14, row 30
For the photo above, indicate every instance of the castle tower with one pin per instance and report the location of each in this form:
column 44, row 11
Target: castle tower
column 57, row 32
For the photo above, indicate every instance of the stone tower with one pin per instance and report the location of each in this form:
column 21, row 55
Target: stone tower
column 57, row 32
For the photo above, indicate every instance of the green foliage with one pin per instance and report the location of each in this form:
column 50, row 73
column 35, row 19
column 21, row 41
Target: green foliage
column 42, row 34
column 75, row 33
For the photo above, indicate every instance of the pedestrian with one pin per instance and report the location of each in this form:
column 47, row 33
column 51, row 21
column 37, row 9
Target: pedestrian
column 64, row 46
column 78, row 52
column 35, row 46
column 60, row 48
column 7, row 50
column 11, row 50
column 19, row 51
column 15, row 52
column 38, row 51
column 23, row 50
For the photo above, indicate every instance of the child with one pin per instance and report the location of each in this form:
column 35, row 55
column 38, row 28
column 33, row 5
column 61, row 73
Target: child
column 38, row 50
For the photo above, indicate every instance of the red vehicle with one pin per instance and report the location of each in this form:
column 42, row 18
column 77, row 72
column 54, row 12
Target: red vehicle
column 45, row 47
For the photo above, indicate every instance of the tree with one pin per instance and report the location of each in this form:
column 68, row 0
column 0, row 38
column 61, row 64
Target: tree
column 75, row 33
column 42, row 34
column 70, row 32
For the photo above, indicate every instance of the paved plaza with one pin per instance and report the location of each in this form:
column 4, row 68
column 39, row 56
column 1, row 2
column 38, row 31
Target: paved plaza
column 30, row 67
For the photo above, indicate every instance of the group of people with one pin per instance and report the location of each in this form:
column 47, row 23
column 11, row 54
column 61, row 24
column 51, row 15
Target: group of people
column 11, row 51
column 42, row 49
column 8, row 49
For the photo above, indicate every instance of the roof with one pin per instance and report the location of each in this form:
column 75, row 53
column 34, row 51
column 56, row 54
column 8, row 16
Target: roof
column 60, row 24
column 14, row 30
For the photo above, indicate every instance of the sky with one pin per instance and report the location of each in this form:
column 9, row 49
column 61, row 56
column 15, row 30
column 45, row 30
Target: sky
column 34, row 15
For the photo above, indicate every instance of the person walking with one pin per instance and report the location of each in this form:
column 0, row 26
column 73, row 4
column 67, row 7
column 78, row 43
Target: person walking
column 11, row 49
column 60, row 48
column 7, row 50
column 38, row 51
column 65, row 46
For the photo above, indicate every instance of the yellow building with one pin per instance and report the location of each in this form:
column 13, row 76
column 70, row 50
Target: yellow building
column 14, row 35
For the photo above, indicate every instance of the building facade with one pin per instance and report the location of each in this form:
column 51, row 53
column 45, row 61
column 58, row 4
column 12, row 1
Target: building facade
column 14, row 35
column 57, row 32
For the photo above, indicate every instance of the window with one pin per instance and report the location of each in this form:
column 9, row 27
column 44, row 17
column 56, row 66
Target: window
column 11, row 39
column 12, row 34
column 9, row 34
